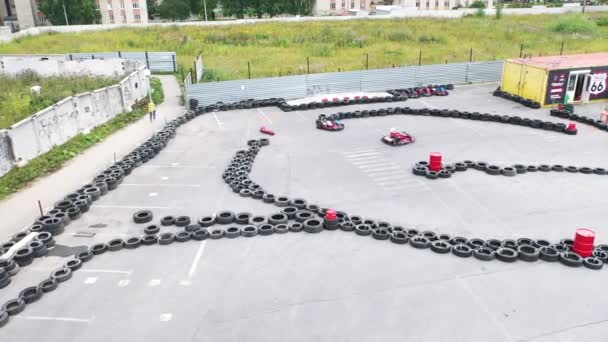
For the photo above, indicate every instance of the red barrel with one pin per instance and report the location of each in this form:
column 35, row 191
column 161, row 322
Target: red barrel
column 571, row 126
column 435, row 161
column 583, row 242
column 331, row 215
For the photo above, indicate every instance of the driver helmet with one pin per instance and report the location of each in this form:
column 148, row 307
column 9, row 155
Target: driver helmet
column 393, row 130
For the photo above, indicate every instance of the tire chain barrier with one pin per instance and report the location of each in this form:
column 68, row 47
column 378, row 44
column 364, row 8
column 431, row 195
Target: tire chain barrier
column 396, row 95
column 75, row 204
column 564, row 114
column 516, row 98
column 421, row 168
column 448, row 113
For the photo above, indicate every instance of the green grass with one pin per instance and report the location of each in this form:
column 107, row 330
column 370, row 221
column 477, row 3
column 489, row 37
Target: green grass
column 17, row 101
column 275, row 49
column 574, row 24
column 19, row 177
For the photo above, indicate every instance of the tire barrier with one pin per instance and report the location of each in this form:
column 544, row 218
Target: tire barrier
column 422, row 168
column 448, row 113
column 515, row 98
column 564, row 114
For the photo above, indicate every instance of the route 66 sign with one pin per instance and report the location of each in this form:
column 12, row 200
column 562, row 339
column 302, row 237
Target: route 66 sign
column 597, row 83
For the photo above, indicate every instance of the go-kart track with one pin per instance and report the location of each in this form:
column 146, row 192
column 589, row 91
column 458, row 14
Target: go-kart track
column 337, row 285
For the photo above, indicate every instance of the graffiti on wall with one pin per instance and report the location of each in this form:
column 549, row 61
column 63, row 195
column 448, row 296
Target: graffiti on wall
column 52, row 127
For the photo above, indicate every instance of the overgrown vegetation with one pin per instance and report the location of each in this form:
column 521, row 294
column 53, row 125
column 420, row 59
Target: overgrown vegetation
column 78, row 12
column 275, row 49
column 478, row 4
column 17, row 101
column 19, row 177
column 602, row 21
column 574, row 24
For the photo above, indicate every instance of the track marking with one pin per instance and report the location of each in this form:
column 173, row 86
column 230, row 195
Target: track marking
column 219, row 123
column 174, row 164
column 153, row 194
column 154, row 282
column 62, row 319
column 379, row 167
column 197, row 258
column 166, row 317
column 164, row 178
column 265, row 116
column 185, row 283
column 300, row 115
column 90, row 280
column 106, row 271
column 367, row 162
column 123, row 282
column 161, row 184
column 357, row 155
column 131, row 207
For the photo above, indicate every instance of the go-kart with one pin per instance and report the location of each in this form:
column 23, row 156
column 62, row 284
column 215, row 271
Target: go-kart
column 395, row 138
column 329, row 124
column 440, row 91
column 266, row 130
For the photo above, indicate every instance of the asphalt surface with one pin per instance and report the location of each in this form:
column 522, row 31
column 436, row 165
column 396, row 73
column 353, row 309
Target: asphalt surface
column 337, row 286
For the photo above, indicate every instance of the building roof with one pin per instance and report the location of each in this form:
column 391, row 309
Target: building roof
column 566, row 62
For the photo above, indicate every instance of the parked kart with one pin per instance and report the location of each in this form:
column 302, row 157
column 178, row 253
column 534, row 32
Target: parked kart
column 266, row 130
column 440, row 91
column 329, row 125
column 396, row 138
column 424, row 92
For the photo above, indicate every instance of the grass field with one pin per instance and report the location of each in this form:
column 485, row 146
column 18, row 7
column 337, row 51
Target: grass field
column 275, row 49
column 17, row 102
column 45, row 164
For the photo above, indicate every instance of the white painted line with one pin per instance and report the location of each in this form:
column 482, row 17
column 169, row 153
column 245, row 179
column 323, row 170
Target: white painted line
column 154, row 282
column 153, row 194
column 300, row 115
column 81, row 234
column 397, row 176
column 106, row 271
column 197, row 258
column 426, row 103
column 90, row 280
column 264, row 115
column 219, row 123
column 48, row 318
column 368, row 158
column 363, row 150
column 356, row 155
column 123, row 282
column 381, row 168
column 166, row 317
column 131, row 207
column 185, row 283
column 365, row 162
column 174, row 151
column 384, row 173
column 378, row 165
column 160, row 184
column 177, row 166
column 164, row 178
column 174, row 164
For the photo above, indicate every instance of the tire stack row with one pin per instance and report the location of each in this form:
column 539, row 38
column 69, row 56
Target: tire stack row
column 457, row 114
column 79, row 202
column 243, row 104
column 421, row 168
column 564, row 114
column 413, row 93
column 515, row 98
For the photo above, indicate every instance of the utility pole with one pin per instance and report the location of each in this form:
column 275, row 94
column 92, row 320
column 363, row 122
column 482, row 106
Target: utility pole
column 584, row 4
column 205, row 8
column 65, row 14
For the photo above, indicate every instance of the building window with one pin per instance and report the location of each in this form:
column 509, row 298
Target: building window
column 362, row 5
column 135, row 4
column 352, row 4
column 428, row 4
column 343, row 4
column 122, row 4
column 97, row 4
column 332, row 5
column 109, row 4
column 417, row 3
column 446, row 4
column 124, row 17
column 436, row 3
column 137, row 17
column 466, row 3
column 112, row 18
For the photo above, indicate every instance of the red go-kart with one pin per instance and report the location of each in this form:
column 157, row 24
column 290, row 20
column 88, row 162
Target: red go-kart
column 329, row 125
column 395, row 138
column 266, row 130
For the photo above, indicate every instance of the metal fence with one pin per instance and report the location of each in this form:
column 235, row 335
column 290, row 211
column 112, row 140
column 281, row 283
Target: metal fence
column 291, row 87
column 155, row 61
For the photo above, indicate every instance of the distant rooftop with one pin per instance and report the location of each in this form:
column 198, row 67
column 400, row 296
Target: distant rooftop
column 566, row 62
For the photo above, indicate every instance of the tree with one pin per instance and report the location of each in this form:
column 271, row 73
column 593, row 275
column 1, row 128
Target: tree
column 152, row 8
column 234, row 7
column 79, row 12
column 197, row 7
column 174, row 9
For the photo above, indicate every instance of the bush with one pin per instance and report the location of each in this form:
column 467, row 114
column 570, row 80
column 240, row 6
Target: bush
column 478, row 4
column 521, row 5
column 573, row 24
column 603, row 21
column 480, row 13
column 555, row 4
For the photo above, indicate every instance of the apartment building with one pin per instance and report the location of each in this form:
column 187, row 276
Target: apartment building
column 123, row 11
column 348, row 7
column 20, row 14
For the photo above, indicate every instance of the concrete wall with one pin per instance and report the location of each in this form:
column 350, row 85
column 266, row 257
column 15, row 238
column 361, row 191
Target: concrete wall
column 69, row 117
column 55, row 66
column 25, row 13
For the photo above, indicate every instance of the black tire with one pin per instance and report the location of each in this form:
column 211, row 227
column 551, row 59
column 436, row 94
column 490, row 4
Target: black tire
column 200, row 235
column 99, row 248
column 363, row 230
column 142, row 216
column 509, row 243
column 380, row 234
column 532, row 168
column 265, row 229
column 182, row 221
column 290, row 212
column 313, row 226
column 132, row 243
column 508, row 171
column 462, row 250
column 48, row 285
column 475, row 243
column 166, row 239
column 493, row 170
column 167, row 221
column 571, row 169
column 570, row 259
column 549, row 254
column 541, row 243
column 249, row 231
column 544, row 168
column 456, row 240
column 85, row 256
column 432, row 175
column 585, row 170
column 303, row 215
column 558, row 168
column 151, row 229
column 506, row 254
column 61, row 274
column 493, row 244
column 296, row 227
column 484, row 253
column 258, row 220
column 216, row 234
column 208, row 221
column 525, row 241
column 14, row 306
column 441, row 246
column 148, row 240
column 593, row 263
column 399, row 238
column 115, row 245
column 224, row 217
column 281, row 201
column 528, row 253
column 30, row 294
column 419, row 242
column 242, row 218
column 73, row 264
column 3, row 318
